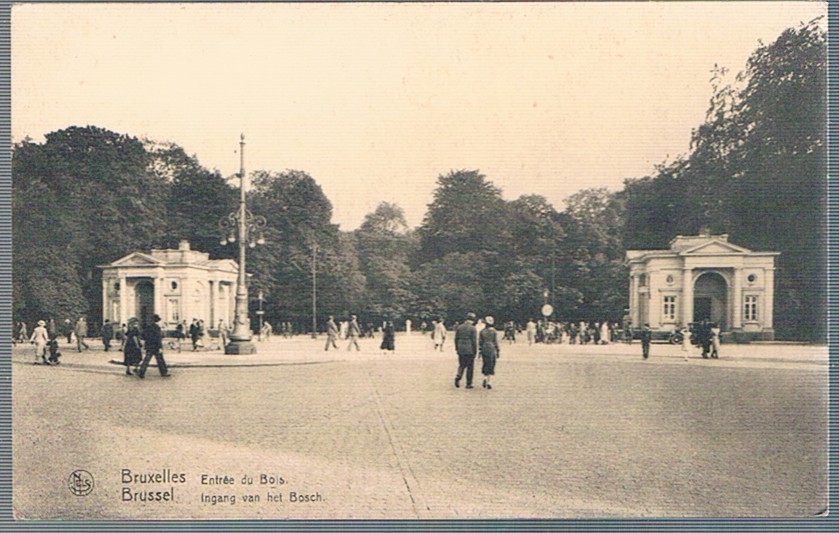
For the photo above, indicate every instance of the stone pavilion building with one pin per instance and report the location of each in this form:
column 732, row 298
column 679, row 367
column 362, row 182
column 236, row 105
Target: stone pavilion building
column 177, row 284
column 703, row 277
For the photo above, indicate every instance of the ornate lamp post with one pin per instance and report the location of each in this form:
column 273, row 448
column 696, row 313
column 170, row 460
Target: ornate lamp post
column 249, row 228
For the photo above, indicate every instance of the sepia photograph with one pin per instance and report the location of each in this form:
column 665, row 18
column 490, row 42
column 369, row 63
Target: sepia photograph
column 419, row 261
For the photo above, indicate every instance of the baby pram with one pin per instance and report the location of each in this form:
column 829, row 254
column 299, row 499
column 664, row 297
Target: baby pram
column 54, row 353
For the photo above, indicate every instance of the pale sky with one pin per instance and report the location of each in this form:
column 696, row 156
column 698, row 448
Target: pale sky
column 376, row 100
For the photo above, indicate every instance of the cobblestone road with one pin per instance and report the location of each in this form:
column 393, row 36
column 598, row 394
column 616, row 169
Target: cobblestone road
column 585, row 431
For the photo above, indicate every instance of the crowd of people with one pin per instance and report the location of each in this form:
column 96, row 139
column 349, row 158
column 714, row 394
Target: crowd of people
column 132, row 338
column 472, row 337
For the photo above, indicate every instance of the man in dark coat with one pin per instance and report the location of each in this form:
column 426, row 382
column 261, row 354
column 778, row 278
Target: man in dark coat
column 705, row 338
column 153, row 340
column 646, row 338
column 466, row 344
column 107, row 334
column 194, row 333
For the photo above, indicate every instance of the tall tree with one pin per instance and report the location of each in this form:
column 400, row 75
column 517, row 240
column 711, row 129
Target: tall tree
column 197, row 200
column 465, row 216
column 301, row 237
column 384, row 247
column 594, row 238
column 778, row 200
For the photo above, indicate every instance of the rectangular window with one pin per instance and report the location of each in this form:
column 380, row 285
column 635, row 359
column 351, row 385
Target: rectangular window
column 174, row 316
column 750, row 308
column 669, row 313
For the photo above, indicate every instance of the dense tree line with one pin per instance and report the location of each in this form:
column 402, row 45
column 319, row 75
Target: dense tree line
column 756, row 170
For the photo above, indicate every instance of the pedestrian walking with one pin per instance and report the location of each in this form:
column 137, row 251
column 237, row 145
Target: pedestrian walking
column 22, row 332
column 223, row 333
column 646, row 338
column 119, row 334
column 685, row 331
column 107, row 333
column 353, row 331
column 202, row 335
column 80, row 331
column 439, row 334
column 153, row 341
column 331, row 333
column 704, row 337
column 194, row 334
column 489, row 350
column 604, row 332
column 388, row 337
column 531, row 332
column 132, row 352
column 67, row 330
column 180, row 335
column 715, row 341
column 510, row 332
column 466, row 345
column 267, row 329
column 40, row 338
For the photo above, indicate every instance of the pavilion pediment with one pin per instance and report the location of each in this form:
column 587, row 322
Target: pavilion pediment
column 224, row 264
column 716, row 247
column 137, row 259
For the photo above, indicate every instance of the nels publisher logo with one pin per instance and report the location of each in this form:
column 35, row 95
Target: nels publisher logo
column 81, row 482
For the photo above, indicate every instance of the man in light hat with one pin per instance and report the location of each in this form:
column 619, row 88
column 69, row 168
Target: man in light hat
column 353, row 331
column 466, row 345
column 81, row 332
column 153, row 340
column 40, row 338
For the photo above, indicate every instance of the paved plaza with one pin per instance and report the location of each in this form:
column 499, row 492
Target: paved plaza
column 297, row 432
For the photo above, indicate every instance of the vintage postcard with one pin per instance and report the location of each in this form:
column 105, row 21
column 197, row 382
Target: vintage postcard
column 419, row 261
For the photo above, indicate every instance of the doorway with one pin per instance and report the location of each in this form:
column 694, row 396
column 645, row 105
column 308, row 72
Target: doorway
column 710, row 301
column 144, row 301
column 701, row 309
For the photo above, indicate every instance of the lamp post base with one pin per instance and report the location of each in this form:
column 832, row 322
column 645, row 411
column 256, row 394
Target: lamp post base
column 240, row 348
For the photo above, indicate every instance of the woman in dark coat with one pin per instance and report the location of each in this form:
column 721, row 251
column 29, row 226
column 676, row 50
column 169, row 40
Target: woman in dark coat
column 488, row 346
column 132, row 352
column 388, row 337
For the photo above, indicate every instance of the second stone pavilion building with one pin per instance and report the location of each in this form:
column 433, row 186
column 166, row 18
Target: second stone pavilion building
column 179, row 285
column 703, row 277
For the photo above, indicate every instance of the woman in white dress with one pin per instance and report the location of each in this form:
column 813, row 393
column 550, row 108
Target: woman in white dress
column 40, row 338
column 685, row 341
column 715, row 341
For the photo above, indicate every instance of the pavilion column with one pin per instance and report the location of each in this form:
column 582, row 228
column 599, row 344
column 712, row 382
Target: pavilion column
column 123, row 299
column 633, row 300
column 769, row 299
column 687, row 296
column 106, row 301
column 222, row 304
column 737, row 300
column 159, row 287
column 213, row 306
